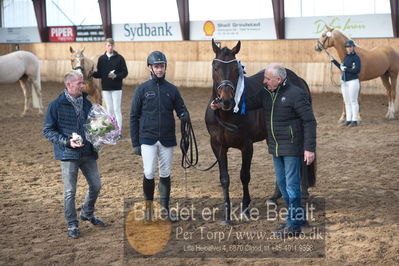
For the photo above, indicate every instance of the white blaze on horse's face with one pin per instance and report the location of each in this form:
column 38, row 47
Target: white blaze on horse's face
column 77, row 60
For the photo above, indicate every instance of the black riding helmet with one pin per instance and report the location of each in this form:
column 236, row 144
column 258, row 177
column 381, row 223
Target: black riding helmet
column 349, row 43
column 156, row 57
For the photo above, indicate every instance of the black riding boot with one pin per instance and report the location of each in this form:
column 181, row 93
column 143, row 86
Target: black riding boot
column 164, row 195
column 148, row 188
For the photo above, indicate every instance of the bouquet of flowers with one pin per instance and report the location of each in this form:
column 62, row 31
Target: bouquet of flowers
column 101, row 128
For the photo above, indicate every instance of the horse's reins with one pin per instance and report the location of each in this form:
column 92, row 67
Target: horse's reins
column 189, row 147
column 229, row 126
column 189, row 150
column 321, row 46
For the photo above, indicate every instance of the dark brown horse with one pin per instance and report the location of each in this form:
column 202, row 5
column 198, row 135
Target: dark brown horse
column 234, row 130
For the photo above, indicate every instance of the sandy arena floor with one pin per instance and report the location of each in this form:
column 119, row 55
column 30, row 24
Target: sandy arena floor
column 357, row 175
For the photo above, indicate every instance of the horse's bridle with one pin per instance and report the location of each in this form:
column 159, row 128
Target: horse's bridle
column 328, row 36
column 226, row 82
column 77, row 68
column 80, row 65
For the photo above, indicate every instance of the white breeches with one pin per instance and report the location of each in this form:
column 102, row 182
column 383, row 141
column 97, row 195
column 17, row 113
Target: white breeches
column 113, row 101
column 350, row 93
column 153, row 153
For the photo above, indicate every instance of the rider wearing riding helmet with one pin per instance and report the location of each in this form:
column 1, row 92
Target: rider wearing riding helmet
column 350, row 84
column 152, row 127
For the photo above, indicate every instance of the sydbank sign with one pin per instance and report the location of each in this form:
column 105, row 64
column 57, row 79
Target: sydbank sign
column 161, row 31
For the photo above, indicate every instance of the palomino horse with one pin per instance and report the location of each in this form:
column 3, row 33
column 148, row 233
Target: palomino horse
column 24, row 67
column 85, row 65
column 380, row 61
column 233, row 130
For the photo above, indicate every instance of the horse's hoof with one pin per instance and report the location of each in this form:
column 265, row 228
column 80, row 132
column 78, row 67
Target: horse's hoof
column 224, row 222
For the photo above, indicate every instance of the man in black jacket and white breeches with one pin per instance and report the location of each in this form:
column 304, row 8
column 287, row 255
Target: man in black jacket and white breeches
column 111, row 69
column 152, row 127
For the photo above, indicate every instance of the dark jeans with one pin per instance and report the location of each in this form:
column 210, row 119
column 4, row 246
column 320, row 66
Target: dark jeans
column 69, row 169
column 288, row 177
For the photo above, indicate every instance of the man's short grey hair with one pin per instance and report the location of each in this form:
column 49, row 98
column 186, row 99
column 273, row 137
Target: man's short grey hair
column 72, row 75
column 277, row 70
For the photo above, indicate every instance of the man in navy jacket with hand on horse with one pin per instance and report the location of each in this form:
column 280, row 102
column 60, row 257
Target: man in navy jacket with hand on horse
column 291, row 132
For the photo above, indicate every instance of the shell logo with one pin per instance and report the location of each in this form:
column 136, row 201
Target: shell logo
column 209, row 28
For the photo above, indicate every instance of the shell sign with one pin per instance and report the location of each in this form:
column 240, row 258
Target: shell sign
column 209, row 28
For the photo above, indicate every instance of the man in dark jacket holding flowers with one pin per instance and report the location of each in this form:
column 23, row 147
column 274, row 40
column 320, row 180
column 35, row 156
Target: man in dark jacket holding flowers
column 63, row 126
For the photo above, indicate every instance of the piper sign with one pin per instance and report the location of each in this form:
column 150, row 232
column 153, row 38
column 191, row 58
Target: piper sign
column 62, row 34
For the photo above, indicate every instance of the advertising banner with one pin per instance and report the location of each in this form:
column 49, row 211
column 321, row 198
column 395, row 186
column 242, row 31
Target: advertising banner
column 163, row 31
column 19, row 35
column 62, row 34
column 89, row 33
column 354, row 26
column 251, row 29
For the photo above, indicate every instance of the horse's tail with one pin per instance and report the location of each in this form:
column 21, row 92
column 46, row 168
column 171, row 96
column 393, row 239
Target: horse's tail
column 309, row 173
column 35, row 98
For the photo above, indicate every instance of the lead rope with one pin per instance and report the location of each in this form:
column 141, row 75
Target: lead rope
column 331, row 76
column 331, row 67
column 189, row 142
column 189, row 148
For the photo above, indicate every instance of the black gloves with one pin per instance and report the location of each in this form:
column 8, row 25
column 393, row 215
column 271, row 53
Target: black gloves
column 185, row 117
column 137, row 150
